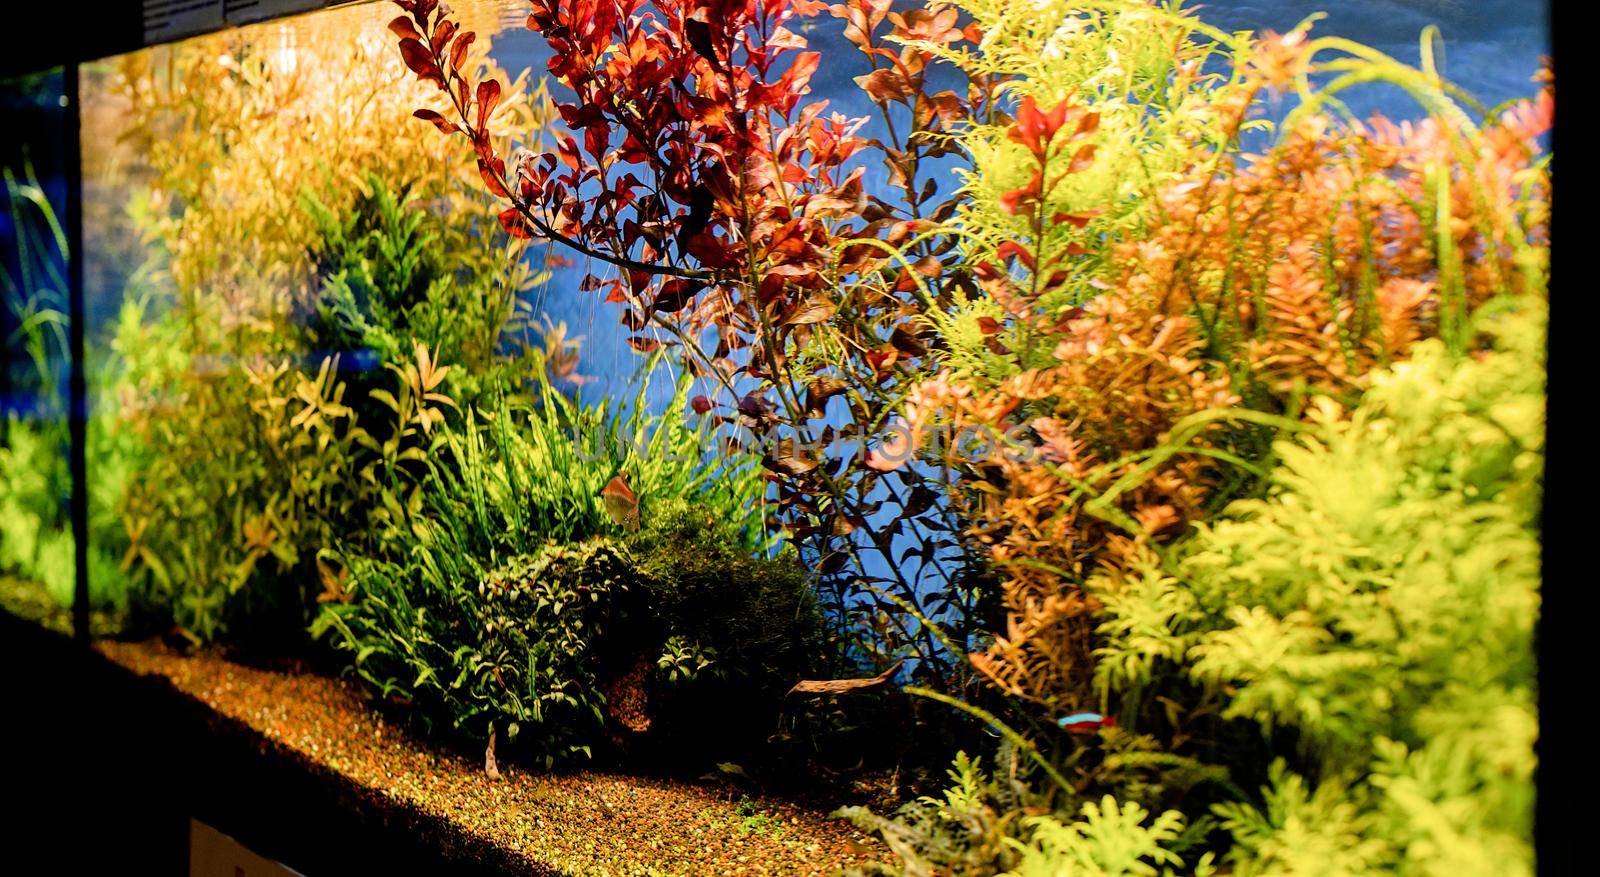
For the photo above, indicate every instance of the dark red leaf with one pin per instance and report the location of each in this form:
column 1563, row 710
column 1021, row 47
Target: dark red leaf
column 488, row 98
column 404, row 29
column 438, row 121
column 458, row 52
column 443, row 32
column 515, row 224
column 420, row 60
column 676, row 294
column 885, row 85
column 698, row 33
column 492, row 175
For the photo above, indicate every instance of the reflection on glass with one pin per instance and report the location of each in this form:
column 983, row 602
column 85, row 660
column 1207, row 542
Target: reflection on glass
column 36, row 556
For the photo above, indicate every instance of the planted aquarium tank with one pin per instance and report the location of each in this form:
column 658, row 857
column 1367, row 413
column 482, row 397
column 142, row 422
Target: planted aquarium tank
column 963, row 437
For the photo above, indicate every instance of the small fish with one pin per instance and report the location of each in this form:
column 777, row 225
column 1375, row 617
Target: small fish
column 1085, row 723
column 621, row 504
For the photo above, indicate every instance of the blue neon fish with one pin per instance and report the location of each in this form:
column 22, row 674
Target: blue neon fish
column 1084, row 722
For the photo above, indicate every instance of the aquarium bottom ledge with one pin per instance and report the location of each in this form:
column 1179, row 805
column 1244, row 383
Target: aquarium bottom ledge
column 122, row 745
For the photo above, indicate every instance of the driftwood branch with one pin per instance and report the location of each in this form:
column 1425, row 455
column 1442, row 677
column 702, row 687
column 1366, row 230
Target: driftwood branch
column 845, row 686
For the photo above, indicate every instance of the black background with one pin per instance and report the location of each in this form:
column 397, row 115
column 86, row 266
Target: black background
column 46, row 33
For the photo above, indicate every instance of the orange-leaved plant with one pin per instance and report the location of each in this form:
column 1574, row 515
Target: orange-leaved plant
column 1253, row 281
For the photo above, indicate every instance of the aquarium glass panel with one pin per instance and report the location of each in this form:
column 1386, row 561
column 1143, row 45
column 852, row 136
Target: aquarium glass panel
column 36, row 548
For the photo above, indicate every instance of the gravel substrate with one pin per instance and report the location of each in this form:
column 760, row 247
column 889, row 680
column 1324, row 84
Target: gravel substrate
column 577, row 823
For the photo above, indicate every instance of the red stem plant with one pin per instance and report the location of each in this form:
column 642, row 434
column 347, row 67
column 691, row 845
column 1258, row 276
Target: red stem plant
column 728, row 218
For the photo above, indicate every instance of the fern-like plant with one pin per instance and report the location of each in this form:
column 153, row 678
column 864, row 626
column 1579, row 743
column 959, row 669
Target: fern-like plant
column 1377, row 610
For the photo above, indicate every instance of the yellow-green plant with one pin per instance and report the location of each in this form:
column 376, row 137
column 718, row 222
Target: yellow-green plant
column 1231, row 277
column 1116, row 101
column 1377, row 609
column 1358, row 641
column 995, row 824
column 238, row 501
column 305, row 243
column 230, row 130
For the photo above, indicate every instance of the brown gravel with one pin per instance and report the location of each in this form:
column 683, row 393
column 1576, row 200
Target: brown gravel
column 577, row 823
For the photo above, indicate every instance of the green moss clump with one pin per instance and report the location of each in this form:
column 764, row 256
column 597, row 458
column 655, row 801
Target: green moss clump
column 737, row 629
column 756, row 610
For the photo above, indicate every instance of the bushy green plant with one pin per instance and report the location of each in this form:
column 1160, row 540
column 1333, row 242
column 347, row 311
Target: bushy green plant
column 35, row 544
column 301, row 255
column 238, row 493
column 1377, row 607
column 1109, row 840
column 730, row 596
column 737, row 623
column 517, row 650
column 511, row 599
column 291, row 456
column 393, row 275
column 964, row 829
column 38, row 541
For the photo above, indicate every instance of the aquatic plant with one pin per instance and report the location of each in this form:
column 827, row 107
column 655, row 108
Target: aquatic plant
column 35, row 483
column 511, row 601
column 1272, row 280
column 744, row 627
column 1139, row 284
column 222, row 179
column 393, row 275
column 986, row 823
column 1179, row 326
column 1376, row 607
column 1357, row 642
column 1240, row 279
column 730, row 221
column 299, row 261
